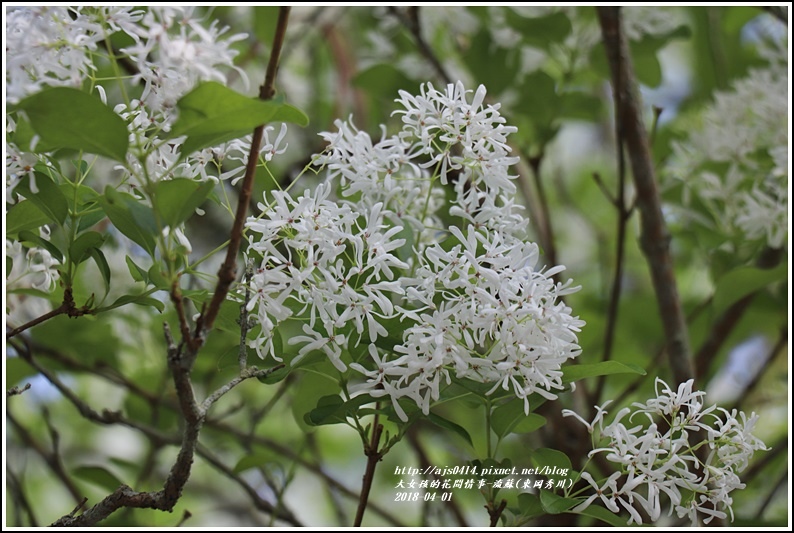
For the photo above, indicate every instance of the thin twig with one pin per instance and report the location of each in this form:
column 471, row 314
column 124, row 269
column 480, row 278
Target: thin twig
column 604, row 190
column 313, row 468
column 262, row 505
column 68, row 307
column 655, row 238
column 15, row 391
column 251, row 372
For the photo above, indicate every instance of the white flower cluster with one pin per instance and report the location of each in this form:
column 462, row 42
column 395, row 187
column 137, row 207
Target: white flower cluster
column 474, row 305
column 736, row 158
column 660, row 454
column 48, row 46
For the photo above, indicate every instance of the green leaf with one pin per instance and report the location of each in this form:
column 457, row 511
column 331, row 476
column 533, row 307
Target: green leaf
column 604, row 368
column 542, row 457
column 131, row 217
column 138, row 299
column 102, row 265
column 492, row 465
column 332, row 409
column 69, row 118
column 329, row 410
column 450, row 425
column 177, row 199
column 35, row 240
column 24, row 215
column 228, row 317
column 137, row 273
column 580, row 105
column 49, row 198
column 212, row 113
column 742, row 281
column 510, row 418
column 99, row 476
column 80, row 250
column 605, row 515
column 529, row 506
column 157, row 279
column 555, row 504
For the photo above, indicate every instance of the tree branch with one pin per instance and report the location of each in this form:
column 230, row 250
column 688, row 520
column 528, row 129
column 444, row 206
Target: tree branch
column 655, row 238
column 373, row 457
column 68, row 307
column 228, row 271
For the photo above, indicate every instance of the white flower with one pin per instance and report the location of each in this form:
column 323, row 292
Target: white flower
column 331, row 344
column 656, row 462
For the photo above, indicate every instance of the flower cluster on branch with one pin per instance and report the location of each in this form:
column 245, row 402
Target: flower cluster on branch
column 472, row 303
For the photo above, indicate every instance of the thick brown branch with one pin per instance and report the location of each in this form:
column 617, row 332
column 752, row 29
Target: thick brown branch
column 655, row 238
column 373, row 458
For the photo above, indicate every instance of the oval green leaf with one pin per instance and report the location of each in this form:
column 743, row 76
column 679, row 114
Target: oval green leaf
column 69, row 118
column 212, row 114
